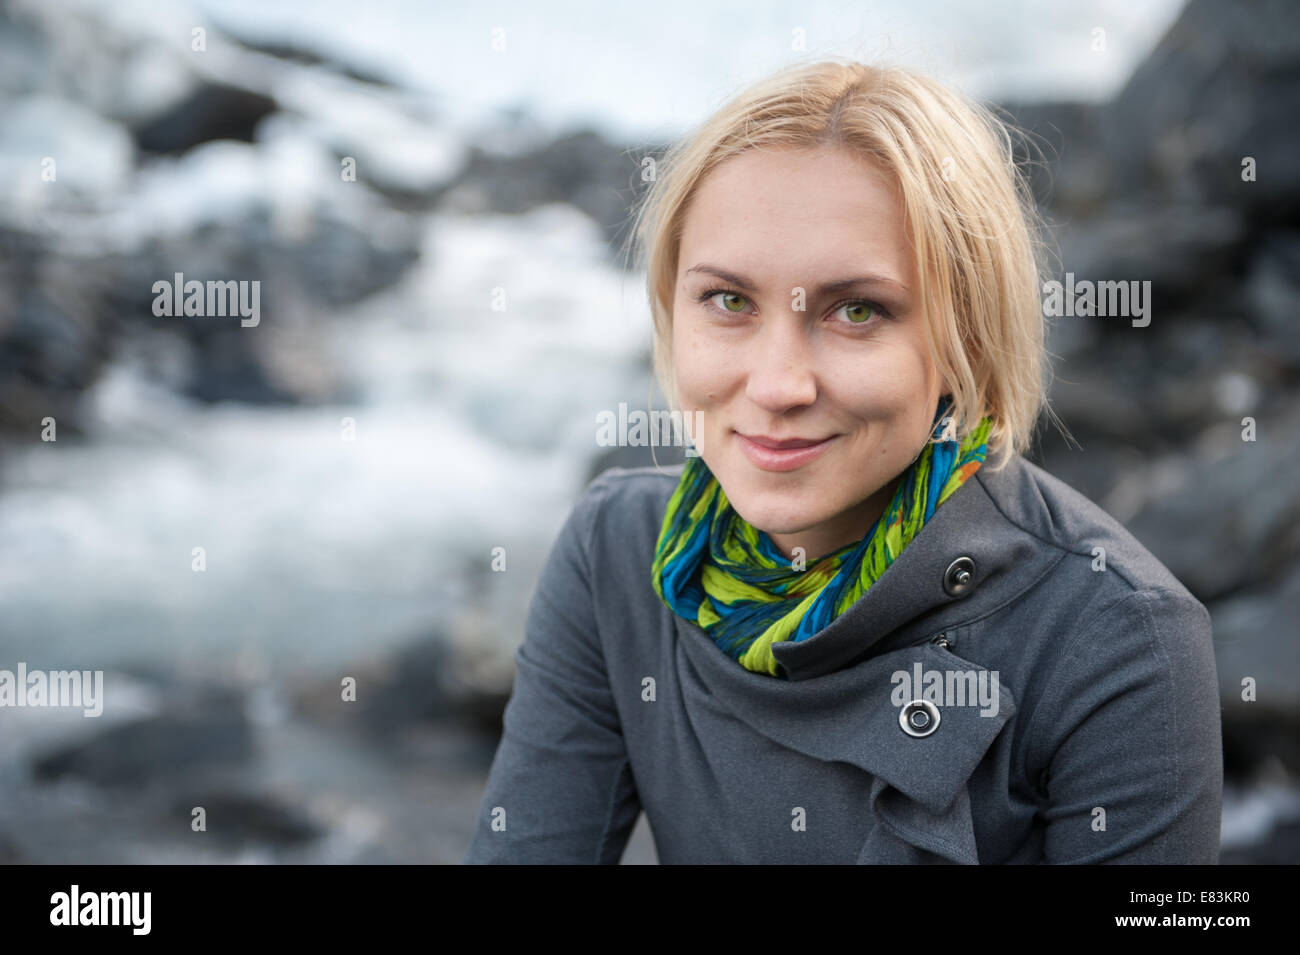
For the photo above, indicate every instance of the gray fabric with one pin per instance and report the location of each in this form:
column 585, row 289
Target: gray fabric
column 1107, row 698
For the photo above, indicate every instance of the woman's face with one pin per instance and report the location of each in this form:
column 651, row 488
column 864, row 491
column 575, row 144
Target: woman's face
column 797, row 340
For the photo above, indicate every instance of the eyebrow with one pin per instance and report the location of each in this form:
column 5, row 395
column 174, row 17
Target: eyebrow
column 826, row 288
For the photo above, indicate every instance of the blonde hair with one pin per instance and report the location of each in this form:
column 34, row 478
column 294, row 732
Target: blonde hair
column 976, row 232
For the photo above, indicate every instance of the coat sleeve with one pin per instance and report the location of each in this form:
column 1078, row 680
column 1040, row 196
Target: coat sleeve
column 1132, row 738
column 560, row 789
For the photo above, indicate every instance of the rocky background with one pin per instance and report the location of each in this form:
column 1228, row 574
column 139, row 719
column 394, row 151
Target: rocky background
column 1147, row 186
column 1150, row 186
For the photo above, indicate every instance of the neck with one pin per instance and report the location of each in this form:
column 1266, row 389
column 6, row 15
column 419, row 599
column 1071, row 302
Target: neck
column 843, row 529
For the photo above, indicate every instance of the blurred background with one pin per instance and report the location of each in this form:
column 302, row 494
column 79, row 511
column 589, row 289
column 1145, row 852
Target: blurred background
column 375, row 470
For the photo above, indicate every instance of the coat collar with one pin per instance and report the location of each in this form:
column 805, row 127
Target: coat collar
column 835, row 704
column 971, row 523
column 918, row 793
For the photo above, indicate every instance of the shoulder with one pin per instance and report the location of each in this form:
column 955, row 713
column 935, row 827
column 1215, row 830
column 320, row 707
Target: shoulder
column 1129, row 668
column 1057, row 516
column 632, row 486
column 1117, row 619
column 626, row 505
column 1107, row 601
column 612, row 529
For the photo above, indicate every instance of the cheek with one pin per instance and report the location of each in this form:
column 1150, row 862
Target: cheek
column 888, row 382
column 695, row 367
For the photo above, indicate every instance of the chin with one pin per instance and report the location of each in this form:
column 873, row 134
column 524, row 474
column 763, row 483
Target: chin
column 774, row 513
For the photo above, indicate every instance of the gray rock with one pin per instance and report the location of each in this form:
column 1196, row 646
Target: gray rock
column 1060, row 147
column 301, row 51
column 1183, row 251
column 53, row 340
column 200, row 732
column 211, row 111
column 1223, row 83
column 1234, row 524
column 1282, row 847
column 1273, row 291
column 431, row 679
column 238, row 818
column 10, row 854
column 1255, row 636
column 64, row 315
column 581, row 168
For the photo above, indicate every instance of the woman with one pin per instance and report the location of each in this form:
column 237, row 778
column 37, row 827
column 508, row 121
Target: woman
column 858, row 626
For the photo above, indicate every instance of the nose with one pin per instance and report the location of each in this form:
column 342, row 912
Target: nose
column 781, row 374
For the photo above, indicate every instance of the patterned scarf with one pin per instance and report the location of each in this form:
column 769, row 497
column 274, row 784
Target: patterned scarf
column 714, row 569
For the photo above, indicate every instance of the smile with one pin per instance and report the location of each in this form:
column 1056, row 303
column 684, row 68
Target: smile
column 770, row 454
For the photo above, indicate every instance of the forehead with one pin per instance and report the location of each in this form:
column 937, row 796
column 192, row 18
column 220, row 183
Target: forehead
column 788, row 211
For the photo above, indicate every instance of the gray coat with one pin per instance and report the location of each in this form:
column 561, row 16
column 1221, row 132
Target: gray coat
column 1104, row 744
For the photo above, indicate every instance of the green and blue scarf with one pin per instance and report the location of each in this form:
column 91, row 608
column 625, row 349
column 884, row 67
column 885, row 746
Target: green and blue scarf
column 717, row 571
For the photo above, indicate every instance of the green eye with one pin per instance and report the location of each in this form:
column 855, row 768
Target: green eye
column 858, row 312
column 728, row 298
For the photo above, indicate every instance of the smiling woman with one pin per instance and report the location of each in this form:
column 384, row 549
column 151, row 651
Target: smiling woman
column 842, row 267
column 822, row 393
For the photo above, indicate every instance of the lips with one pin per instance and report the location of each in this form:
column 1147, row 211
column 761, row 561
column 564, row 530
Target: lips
column 781, row 454
column 786, row 445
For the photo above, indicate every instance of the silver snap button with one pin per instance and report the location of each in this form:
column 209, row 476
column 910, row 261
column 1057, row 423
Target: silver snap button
column 959, row 577
column 919, row 718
